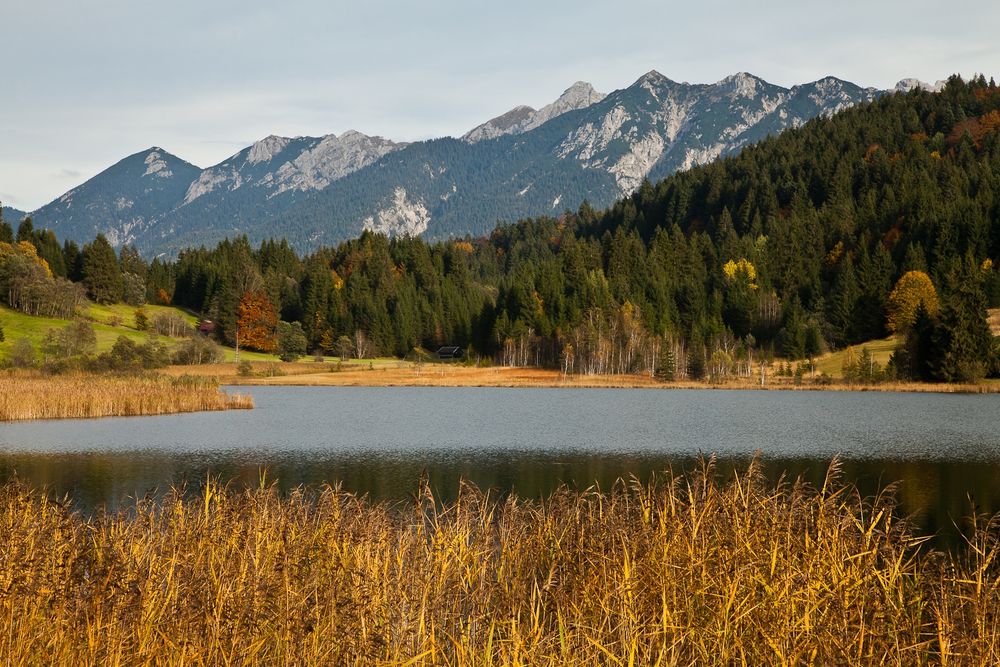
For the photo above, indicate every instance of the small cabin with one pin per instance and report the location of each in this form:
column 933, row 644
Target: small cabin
column 206, row 327
column 450, row 352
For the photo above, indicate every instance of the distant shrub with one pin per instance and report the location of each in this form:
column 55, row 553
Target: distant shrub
column 22, row 354
column 197, row 350
column 141, row 319
column 75, row 339
column 128, row 356
column 292, row 341
column 171, row 325
column 244, row 368
column 272, row 370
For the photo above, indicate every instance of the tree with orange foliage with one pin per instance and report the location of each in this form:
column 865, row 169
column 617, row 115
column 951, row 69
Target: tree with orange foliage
column 257, row 322
column 912, row 290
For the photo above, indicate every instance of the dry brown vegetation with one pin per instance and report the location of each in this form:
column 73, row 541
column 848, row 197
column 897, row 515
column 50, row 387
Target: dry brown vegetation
column 36, row 396
column 406, row 374
column 680, row 571
column 994, row 321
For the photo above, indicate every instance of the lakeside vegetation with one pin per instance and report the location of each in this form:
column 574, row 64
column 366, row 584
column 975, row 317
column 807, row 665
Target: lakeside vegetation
column 73, row 396
column 681, row 570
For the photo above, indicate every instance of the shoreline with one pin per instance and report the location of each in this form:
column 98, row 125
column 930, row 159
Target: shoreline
column 405, row 374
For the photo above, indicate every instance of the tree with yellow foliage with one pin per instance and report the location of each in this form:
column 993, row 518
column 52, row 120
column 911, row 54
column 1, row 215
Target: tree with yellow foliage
column 257, row 322
column 912, row 290
column 742, row 270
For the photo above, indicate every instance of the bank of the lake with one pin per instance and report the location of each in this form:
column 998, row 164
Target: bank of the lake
column 395, row 373
column 31, row 395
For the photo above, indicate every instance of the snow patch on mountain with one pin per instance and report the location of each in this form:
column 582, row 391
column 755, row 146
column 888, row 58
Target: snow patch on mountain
column 157, row 166
column 401, row 218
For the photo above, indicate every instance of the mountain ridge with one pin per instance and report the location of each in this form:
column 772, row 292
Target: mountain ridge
column 585, row 145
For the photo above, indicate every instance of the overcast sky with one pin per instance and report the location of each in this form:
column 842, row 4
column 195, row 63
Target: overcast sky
column 86, row 83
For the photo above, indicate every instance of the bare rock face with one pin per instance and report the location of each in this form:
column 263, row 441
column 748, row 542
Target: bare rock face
column 523, row 119
column 906, row 85
column 279, row 164
column 401, row 217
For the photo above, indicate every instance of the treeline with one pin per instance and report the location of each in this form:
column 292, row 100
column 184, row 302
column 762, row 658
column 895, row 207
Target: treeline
column 791, row 248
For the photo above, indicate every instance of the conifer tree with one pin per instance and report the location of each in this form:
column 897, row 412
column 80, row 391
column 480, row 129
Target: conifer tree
column 666, row 369
column 101, row 274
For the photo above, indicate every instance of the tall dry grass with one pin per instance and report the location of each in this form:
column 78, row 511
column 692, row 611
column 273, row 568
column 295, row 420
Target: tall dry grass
column 35, row 396
column 682, row 571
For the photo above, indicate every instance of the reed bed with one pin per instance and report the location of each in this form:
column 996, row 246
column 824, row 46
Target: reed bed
column 30, row 396
column 680, row 571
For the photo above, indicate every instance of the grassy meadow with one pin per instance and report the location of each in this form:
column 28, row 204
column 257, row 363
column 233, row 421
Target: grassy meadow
column 685, row 570
column 34, row 396
column 109, row 322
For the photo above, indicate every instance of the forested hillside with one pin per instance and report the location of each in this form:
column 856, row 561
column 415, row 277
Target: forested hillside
column 885, row 215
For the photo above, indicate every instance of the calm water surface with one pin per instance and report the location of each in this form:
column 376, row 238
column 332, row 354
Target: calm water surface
column 943, row 450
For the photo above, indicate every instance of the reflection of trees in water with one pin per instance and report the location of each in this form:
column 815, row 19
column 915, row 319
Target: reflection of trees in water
column 935, row 494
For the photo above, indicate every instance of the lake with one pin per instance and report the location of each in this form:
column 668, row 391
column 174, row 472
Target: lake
column 942, row 449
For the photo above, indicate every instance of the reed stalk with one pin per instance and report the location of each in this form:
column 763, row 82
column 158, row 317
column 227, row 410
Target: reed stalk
column 683, row 570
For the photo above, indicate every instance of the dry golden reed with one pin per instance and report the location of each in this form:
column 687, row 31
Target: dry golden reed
column 681, row 571
column 30, row 396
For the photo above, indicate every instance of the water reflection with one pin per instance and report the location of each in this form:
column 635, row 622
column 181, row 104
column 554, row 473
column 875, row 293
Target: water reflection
column 943, row 451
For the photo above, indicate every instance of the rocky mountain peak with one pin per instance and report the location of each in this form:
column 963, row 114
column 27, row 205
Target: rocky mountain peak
column 524, row 118
column 742, row 84
column 267, row 148
column 906, row 85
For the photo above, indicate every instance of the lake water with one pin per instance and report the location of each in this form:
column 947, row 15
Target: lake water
column 943, row 450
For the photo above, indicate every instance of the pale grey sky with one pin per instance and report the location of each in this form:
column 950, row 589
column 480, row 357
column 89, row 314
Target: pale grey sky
column 86, row 83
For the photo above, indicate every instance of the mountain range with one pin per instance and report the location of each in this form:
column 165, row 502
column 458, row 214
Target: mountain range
column 313, row 191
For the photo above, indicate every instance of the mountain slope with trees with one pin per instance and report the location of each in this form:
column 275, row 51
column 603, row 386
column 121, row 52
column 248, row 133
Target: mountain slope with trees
column 883, row 216
column 322, row 190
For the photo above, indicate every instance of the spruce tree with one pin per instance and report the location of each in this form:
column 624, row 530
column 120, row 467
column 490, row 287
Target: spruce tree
column 101, row 273
column 666, row 369
column 962, row 340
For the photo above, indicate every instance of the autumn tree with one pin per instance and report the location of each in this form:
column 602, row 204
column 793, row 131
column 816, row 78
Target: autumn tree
column 912, row 291
column 257, row 322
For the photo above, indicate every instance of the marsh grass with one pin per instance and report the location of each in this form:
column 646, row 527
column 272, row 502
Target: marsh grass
column 37, row 396
column 683, row 570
